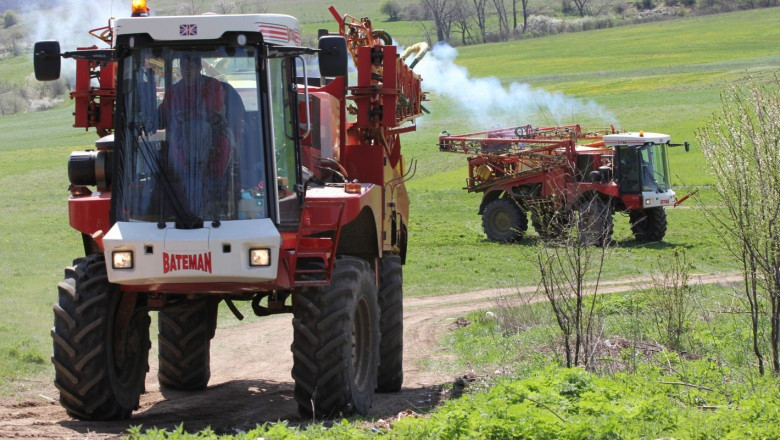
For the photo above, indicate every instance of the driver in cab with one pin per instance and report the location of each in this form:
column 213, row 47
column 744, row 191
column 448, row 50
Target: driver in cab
column 193, row 111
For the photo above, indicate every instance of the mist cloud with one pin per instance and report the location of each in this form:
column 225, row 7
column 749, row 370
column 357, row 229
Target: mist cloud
column 487, row 102
column 70, row 21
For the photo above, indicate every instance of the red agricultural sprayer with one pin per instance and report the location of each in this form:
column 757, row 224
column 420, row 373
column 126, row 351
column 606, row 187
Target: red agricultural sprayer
column 552, row 172
column 227, row 172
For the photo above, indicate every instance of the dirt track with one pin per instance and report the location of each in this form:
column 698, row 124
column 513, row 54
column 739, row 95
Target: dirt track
column 251, row 381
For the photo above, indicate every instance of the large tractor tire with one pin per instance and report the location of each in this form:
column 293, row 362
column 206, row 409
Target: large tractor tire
column 99, row 368
column 550, row 224
column 390, row 375
column 648, row 224
column 336, row 342
column 595, row 222
column 504, row 220
column 184, row 337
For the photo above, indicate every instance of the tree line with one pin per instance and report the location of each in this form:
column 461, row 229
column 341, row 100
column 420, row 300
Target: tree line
column 481, row 21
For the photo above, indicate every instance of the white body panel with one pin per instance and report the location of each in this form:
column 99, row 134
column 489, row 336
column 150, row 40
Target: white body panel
column 276, row 28
column 657, row 199
column 631, row 138
column 192, row 255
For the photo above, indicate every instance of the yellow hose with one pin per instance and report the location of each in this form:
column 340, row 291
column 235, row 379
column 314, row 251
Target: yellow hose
column 420, row 49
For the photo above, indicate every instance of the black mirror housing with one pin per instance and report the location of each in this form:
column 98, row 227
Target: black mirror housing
column 333, row 56
column 46, row 60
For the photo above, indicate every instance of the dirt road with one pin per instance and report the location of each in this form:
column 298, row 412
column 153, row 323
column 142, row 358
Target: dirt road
column 251, row 381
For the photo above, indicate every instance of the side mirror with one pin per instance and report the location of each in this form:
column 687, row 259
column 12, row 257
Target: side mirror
column 333, row 56
column 46, row 60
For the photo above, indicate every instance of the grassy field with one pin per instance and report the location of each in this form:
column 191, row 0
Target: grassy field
column 663, row 77
column 16, row 69
column 637, row 73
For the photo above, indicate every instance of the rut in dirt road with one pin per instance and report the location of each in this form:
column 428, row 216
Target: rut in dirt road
column 251, row 381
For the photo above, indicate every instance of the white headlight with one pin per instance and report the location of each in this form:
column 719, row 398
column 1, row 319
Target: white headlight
column 122, row 259
column 648, row 201
column 259, row 257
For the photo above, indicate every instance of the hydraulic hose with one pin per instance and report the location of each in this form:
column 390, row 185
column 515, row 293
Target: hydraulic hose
column 420, row 49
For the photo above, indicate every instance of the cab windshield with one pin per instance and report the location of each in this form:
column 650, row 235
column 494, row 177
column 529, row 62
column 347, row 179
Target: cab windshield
column 642, row 168
column 192, row 139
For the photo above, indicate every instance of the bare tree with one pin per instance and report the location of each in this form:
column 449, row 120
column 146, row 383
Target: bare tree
column 527, row 10
column 503, row 19
column 442, row 12
column 741, row 148
column 581, row 6
column 571, row 268
column 480, row 16
column 462, row 18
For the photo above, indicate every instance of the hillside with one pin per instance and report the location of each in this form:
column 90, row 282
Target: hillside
column 663, row 76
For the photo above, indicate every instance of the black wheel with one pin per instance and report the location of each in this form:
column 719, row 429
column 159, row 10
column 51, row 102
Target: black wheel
column 550, row 224
column 336, row 342
column 503, row 220
column 595, row 222
column 184, row 337
column 648, row 224
column 99, row 368
column 390, row 375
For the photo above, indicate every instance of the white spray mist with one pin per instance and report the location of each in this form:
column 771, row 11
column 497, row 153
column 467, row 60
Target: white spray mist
column 487, row 103
column 70, row 21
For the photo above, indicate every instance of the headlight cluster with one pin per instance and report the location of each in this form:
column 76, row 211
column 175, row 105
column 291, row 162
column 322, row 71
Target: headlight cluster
column 122, row 259
column 259, row 257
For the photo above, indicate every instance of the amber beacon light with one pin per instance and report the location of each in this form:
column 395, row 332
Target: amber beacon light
column 140, row 9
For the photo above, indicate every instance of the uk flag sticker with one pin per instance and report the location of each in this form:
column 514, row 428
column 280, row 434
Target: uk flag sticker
column 188, row 30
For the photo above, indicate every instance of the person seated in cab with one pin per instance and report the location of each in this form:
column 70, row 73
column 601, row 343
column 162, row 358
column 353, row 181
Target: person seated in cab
column 194, row 111
column 200, row 142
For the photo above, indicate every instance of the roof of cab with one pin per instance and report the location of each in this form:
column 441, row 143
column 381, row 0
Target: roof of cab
column 276, row 28
column 634, row 138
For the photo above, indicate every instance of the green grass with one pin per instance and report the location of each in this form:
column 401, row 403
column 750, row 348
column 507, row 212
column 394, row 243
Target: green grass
column 37, row 241
column 656, row 77
column 711, row 390
column 15, row 69
column 690, row 42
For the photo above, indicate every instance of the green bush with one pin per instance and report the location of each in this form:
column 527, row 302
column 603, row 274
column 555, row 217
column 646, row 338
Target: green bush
column 645, row 4
column 391, row 8
column 10, row 18
column 559, row 403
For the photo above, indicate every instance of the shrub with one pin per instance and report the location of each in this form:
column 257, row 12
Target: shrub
column 10, row 18
column 671, row 299
column 391, row 8
column 740, row 145
column 645, row 4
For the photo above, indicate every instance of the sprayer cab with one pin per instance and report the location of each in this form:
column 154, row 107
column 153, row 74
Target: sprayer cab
column 204, row 115
column 641, row 167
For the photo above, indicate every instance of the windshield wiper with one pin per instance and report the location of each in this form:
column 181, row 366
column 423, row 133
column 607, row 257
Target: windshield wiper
column 184, row 216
